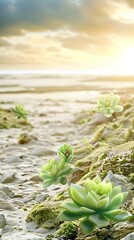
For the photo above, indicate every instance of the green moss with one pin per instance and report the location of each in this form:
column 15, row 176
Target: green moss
column 45, row 215
column 121, row 164
column 68, row 229
column 25, row 138
column 8, row 120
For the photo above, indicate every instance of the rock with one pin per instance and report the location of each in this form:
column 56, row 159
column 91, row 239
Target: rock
column 129, row 237
column 7, row 229
column 45, row 215
column 8, row 178
column 12, row 159
column 35, row 178
column 3, row 196
column 41, row 197
column 22, row 236
column 42, row 151
column 2, row 220
column 7, row 191
column 5, row 201
column 120, row 230
column 26, row 138
column 6, row 205
column 119, row 180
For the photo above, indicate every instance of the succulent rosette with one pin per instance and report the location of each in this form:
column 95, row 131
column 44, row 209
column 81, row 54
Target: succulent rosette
column 94, row 204
column 55, row 171
column 20, row 112
column 66, row 151
column 108, row 104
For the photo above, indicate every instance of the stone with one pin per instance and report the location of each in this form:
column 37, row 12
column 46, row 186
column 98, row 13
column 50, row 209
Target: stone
column 129, row 237
column 121, row 230
column 8, row 178
column 42, row 151
column 3, row 196
column 41, row 197
column 6, row 205
column 22, row 236
column 12, row 159
column 5, row 201
column 119, row 180
column 7, row 229
column 35, row 178
column 7, row 191
column 2, row 220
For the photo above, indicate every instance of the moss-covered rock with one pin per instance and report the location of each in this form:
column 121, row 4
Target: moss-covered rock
column 45, row 215
column 26, row 138
column 8, row 120
column 122, row 163
column 67, row 229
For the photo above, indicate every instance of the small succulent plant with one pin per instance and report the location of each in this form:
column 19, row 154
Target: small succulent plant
column 94, row 204
column 66, row 151
column 108, row 104
column 55, row 171
column 20, row 112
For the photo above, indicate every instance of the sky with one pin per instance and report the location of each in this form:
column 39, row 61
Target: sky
column 67, row 35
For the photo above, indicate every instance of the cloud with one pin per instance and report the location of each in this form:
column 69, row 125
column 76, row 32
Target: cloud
column 3, row 42
column 89, row 16
column 35, row 15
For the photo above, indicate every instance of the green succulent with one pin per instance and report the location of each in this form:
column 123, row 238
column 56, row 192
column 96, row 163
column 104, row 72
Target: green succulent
column 94, row 204
column 55, row 171
column 20, row 111
column 108, row 104
column 66, row 151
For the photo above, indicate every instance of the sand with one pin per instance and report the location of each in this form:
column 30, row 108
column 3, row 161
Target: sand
column 52, row 114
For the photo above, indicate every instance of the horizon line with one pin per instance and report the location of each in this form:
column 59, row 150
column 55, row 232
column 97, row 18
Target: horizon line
column 66, row 72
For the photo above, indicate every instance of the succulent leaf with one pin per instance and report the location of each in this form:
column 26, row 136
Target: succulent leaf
column 104, row 188
column 103, row 203
column 72, row 207
column 77, row 196
column 116, row 201
column 98, row 220
column 97, row 179
column 87, row 210
column 86, row 226
column 115, row 191
column 91, row 201
column 68, row 216
column 90, row 185
column 63, row 180
column 122, row 216
column 95, row 196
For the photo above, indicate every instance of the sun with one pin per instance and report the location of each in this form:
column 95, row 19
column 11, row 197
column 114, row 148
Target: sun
column 126, row 61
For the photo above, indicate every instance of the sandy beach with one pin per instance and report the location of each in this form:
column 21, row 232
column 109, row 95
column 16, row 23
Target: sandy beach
column 54, row 106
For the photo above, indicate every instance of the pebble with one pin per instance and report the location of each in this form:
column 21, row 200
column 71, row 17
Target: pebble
column 2, row 220
column 129, row 237
column 41, row 197
column 12, row 159
column 3, row 196
column 42, row 151
column 35, row 178
column 8, row 178
column 6, row 205
column 7, row 191
column 7, row 229
column 21, row 236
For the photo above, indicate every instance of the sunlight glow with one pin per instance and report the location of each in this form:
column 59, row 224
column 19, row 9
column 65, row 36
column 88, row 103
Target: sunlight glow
column 126, row 61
